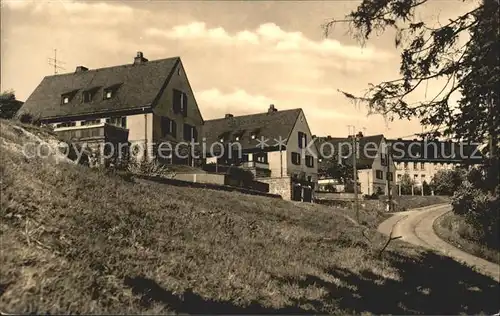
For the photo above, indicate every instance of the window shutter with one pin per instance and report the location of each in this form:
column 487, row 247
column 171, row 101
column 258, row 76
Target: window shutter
column 195, row 134
column 184, row 104
column 305, row 139
column 176, row 101
column 173, row 126
column 300, row 139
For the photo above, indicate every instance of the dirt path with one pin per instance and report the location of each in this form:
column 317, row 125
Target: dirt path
column 416, row 227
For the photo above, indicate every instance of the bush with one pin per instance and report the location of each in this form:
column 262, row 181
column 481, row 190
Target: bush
column 446, row 182
column 28, row 118
column 330, row 188
column 481, row 210
column 245, row 176
column 148, row 168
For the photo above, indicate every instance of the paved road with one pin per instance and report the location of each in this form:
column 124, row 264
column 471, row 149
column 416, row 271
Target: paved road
column 415, row 227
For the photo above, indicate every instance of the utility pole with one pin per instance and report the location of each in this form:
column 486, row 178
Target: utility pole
column 354, row 169
column 56, row 63
column 389, row 193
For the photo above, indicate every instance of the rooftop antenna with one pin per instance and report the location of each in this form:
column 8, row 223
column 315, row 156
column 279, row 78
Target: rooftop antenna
column 56, row 63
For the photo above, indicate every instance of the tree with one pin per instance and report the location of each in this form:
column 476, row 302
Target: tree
column 446, row 182
column 406, row 184
column 8, row 104
column 437, row 53
column 426, row 188
column 332, row 169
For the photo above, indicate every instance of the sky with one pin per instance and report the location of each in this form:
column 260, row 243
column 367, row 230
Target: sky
column 239, row 56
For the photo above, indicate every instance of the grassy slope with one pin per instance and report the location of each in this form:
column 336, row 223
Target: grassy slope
column 77, row 240
column 455, row 230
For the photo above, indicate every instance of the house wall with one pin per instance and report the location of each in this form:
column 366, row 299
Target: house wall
column 426, row 173
column 293, row 146
column 140, row 128
column 164, row 107
column 280, row 186
column 277, row 163
column 365, row 178
column 369, row 182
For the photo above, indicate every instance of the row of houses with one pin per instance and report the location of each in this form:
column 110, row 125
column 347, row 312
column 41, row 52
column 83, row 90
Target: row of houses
column 152, row 103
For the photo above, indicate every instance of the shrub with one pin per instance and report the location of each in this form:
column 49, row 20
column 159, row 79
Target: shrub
column 28, row 118
column 148, row 168
column 242, row 175
column 481, row 210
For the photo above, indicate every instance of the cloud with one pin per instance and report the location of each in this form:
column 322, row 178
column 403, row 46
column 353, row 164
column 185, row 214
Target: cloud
column 215, row 103
column 307, row 90
column 77, row 13
column 269, row 36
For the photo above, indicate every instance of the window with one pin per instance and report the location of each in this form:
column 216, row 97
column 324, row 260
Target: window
column 108, row 94
column 383, row 159
column 302, row 139
column 379, row 174
column 168, row 127
column 415, row 166
column 66, row 124
column 309, row 178
column 120, row 121
column 399, row 177
column 309, row 161
column 190, row 132
column 296, row 158
column 390, row 176
column 422, row 177
column 179, row 102
column 260, row 157
column 422, row 166
column 65, row 99
column 91, row 122
column 87, row 96
column 415, row 177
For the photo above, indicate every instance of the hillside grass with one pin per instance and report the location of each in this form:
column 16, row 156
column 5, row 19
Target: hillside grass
column 454, row 229
column 75, row 240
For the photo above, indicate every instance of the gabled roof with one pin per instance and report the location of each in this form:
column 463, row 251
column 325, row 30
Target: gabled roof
column 368, row 149
column 136, row 86
column 434, row 151
column 271, row 126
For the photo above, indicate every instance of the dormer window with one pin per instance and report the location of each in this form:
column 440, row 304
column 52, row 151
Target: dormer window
column 108, row 94
column 254, row 133
column 110, row 91
column 67, row 97
column 87, row 96
column 238, row 135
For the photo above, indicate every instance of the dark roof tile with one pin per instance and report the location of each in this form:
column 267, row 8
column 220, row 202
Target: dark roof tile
column 136, row 86
column 269, row 125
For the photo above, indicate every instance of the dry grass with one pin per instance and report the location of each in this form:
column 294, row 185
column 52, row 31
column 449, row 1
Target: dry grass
column 76, row 240
column 454, row 229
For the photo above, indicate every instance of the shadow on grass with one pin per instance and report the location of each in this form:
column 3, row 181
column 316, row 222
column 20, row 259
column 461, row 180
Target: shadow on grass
column 192, row 303
column 432, row 285
column 429, row 285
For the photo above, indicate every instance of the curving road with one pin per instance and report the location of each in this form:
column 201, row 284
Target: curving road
column 415, row 227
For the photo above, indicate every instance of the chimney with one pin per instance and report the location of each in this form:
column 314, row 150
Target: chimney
column 328, row 137
column 314, row 136
column 360, row 134
column 81, row 69
column 139, row 59
column 228, row 115
column 271, row 109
